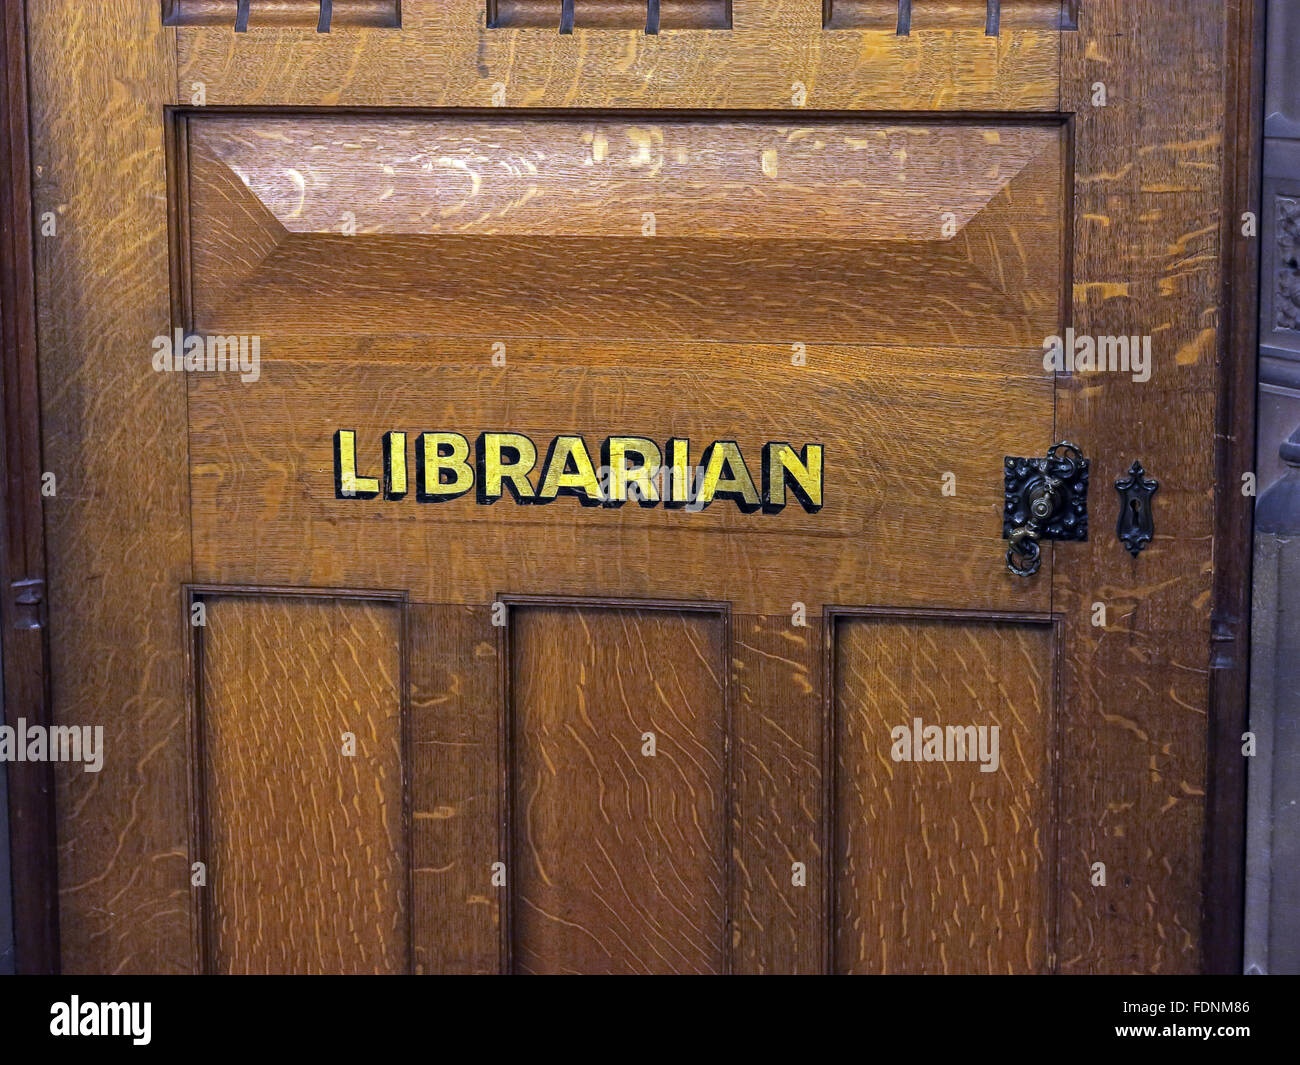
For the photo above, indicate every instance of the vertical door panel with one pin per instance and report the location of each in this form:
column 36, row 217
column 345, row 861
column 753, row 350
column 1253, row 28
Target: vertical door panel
column 301, row 808
column 944, row 795
column 619, row 789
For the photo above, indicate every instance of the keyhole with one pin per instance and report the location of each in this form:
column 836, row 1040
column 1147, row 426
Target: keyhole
column 1133, row 506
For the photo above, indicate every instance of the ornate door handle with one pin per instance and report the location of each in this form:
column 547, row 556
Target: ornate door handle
column 1046, row 499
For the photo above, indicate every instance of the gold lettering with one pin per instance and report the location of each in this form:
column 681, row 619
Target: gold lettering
column 805, row 471
column 558, row 479
column 727, row 477
column 494, row 471
column 442, row 467
column 347, row 485
column 614, row 455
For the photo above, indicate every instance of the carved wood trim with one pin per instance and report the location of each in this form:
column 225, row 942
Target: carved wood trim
column 902, row 17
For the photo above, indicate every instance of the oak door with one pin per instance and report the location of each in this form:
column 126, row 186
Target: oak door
column 532, row 481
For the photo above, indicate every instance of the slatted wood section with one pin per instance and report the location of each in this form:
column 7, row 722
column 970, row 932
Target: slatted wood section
column 305, row 845
column 276, row 14
column 444, row 56
column 920, row 16
column 940, row 867
column 619, row 859
column 611, row 15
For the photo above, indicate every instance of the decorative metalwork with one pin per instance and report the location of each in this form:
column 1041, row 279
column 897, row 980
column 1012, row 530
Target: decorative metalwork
column 1286, row 291
column 1046, row 499
column 1136, row 525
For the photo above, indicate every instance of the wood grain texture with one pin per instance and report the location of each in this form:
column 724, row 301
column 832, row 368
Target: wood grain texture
column 1148, row 219
column 923, row 356
column 117, row 537
column 940, row 867
column 305, row 844
column 894, row 422
column 776, row 695
column 445, row 56
column 619, row 859
column 456, row 796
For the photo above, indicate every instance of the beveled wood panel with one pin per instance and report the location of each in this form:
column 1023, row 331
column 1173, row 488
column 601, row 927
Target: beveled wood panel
column 597, row 176
column 893, row 423
column 305, row 844
column 702, row 228
column 445, row 56
column 619, row 858
column 939, row 865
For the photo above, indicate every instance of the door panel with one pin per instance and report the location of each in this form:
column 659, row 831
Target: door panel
column 619, row 792
column 537, row 239
column 703, row 230
column 449, row 219
column 937, row 869
column 301, row 765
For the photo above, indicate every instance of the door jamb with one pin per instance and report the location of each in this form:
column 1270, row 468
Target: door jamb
column 1224, row 864
column 24, row 641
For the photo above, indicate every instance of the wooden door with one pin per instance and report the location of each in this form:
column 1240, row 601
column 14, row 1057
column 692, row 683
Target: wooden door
column 531, row 481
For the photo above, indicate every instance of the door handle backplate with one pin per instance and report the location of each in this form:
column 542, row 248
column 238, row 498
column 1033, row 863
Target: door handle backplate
column 1046, row 499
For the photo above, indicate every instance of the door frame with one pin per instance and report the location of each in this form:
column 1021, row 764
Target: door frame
column 24, row 638
column 24, row 641
column 1224, row 866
